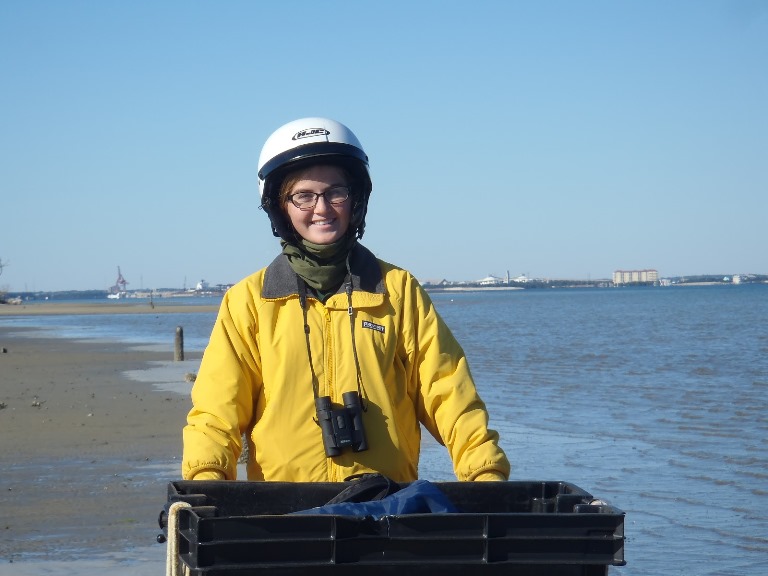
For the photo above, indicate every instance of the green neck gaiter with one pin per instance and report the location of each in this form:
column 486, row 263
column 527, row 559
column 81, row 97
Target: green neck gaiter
column 321, row 266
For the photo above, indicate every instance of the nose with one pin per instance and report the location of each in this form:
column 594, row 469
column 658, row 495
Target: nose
column 325, row 204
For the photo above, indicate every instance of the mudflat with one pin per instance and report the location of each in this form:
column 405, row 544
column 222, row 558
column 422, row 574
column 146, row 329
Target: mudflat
column 85, row 452
column 101, row 307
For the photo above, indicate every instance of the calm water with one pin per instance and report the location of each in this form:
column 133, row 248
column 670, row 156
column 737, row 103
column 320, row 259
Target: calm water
column 652, row 399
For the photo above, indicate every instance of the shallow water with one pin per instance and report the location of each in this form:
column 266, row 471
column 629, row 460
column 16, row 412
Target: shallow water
column 149, row 561
column 652, row 399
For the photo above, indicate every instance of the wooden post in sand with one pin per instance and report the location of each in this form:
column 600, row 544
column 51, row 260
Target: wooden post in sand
column 178, row 351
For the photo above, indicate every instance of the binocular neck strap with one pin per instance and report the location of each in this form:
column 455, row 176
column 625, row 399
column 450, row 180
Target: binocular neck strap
column 302, row 286
column 351, row 312
column 302, row 290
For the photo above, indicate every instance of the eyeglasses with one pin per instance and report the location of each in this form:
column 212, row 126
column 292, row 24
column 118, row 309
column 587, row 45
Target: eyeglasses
column 308, row 200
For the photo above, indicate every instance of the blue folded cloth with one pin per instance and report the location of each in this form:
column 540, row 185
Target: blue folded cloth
column 419, row 497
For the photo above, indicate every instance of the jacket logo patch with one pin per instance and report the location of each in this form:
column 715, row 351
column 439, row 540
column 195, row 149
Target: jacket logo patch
column 372, row 326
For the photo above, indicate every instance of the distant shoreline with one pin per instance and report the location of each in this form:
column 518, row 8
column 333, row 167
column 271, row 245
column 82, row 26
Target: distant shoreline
column 472, row 288
column 101, row 307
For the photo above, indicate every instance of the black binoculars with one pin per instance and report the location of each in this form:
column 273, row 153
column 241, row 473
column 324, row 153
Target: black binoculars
column 341, row 427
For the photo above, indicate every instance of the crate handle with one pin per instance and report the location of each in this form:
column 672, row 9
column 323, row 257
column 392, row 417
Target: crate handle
column 172, row 551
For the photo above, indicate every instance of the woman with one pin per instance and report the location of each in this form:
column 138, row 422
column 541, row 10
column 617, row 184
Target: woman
column 329, row 359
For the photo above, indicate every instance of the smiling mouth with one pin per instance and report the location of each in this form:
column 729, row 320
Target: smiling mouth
column 323, row 222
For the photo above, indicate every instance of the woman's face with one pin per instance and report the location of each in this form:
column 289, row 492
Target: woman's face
column 325, row 223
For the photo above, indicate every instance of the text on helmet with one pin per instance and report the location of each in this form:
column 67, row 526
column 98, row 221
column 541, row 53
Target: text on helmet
column 309, row 132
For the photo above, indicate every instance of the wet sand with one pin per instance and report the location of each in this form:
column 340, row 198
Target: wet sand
column 101, row 307
column 85, row 452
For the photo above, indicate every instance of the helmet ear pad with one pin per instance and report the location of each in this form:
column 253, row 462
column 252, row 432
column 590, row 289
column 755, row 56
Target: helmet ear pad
column 281, row 225
column 359, row 210
column 361, row 191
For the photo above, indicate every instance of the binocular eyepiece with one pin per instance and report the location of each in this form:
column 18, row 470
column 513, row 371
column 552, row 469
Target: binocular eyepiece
column 341, row 427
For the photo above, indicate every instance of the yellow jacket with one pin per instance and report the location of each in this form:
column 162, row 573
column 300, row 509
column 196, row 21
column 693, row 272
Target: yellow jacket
column 255, row 377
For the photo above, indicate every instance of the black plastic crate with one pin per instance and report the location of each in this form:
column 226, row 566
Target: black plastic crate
column 516, row 528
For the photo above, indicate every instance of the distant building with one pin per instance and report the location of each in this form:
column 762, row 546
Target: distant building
column 635, row 277
column 491, row 281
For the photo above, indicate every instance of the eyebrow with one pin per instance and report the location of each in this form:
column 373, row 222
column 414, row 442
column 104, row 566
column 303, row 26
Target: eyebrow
column 335, row 185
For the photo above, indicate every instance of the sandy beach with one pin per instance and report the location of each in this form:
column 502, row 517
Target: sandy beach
column 85, row 452
column 104, row 307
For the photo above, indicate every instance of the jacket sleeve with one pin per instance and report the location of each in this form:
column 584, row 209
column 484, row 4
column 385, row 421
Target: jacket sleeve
column 224, row 391
column 449, row 405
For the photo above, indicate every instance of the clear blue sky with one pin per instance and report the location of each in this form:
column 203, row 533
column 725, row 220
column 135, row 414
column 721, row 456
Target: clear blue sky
column 559, row 139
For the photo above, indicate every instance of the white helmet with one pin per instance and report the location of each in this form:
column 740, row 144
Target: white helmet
column 305, row 142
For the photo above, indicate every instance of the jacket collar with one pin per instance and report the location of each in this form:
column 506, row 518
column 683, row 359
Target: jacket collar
column 280, row 280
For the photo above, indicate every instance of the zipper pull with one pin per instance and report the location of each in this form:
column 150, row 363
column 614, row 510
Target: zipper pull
column 348, row 289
